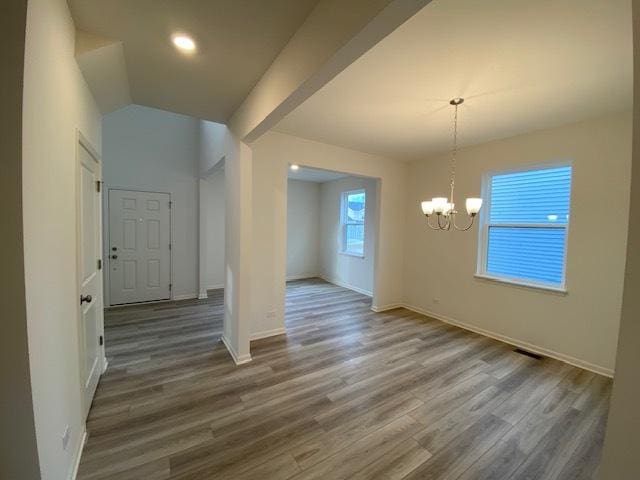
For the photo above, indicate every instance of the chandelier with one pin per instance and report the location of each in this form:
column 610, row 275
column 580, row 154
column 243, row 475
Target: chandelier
column 444, row 208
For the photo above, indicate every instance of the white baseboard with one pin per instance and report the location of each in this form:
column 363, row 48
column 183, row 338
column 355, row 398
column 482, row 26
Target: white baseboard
column 576, row 362
column 185, row 296
column 384, row 308
column 268, row 333
column 76, row 461
column 202, row 296
column 215, row 287
column 239, row 360
column 347, row 286
column 302, row 277
column 105, row 364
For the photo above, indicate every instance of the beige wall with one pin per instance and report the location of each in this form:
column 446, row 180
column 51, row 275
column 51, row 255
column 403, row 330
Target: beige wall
column 18, row 449
column 303, row 229
column 271, row 156
column 56, row 102
column 621, row 456
column 581, row 326
column 347, row 270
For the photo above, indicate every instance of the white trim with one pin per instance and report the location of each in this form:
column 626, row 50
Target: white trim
column 216, row 287
column 347, row 286
column 302, row 277
column 105, row 363
column 203, row 296
column 238, row 360
column 184, row 296
column 384, row 308
column 522, row 284
column 576, row 362
column 76, row 463
column 268, row 333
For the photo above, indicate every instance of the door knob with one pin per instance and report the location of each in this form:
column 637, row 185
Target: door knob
column 114, row 256
column 85, row 298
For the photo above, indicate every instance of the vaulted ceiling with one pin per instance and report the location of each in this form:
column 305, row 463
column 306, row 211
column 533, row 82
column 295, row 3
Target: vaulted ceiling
column 521, row 65
column 237, row 40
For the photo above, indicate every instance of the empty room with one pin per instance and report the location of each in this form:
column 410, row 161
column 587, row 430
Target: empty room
column 298, row 239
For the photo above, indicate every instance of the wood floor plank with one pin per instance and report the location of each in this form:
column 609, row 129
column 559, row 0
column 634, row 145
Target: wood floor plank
column 346, row 393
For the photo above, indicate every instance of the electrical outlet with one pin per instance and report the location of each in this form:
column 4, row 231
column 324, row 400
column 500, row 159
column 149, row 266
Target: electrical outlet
column 436, row 300
column 65, row 438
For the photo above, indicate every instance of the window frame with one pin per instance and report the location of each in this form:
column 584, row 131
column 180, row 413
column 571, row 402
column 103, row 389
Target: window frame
column 344, row 200
column 484, row 225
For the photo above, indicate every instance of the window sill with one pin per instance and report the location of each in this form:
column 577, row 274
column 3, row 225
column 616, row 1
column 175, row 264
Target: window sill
column 522, row 284
column 349, row 254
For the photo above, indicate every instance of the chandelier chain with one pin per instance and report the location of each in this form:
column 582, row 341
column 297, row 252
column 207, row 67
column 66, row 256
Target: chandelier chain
column 454, row 150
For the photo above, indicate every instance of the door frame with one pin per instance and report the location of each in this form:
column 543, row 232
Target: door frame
column 107, row 237
column 83, row 142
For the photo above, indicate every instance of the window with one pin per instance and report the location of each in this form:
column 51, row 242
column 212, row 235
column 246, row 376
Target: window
column 524, row 233
column 352, row 219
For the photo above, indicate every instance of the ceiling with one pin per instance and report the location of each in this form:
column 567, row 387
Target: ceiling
column 315, row 175
column 237, row 41
column 521, row 65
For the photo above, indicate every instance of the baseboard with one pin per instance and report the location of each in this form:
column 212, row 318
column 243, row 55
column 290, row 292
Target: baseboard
column 105, row 364
column 185, row 296
column 202, row 296
column 239, row 360
column 76, row 461
column 302, row 277
column 215, row 287
column 347, row 286
column 268, row 333
column 384, row 308
column 576, row 362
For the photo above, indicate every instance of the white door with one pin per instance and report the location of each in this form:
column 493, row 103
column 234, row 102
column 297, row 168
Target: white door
column 139, row 246
column 89, row 274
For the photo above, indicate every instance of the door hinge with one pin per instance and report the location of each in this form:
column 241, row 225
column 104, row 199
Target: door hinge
column 170, row 285
column 169, row 246
column 98, row 185
column 170, row 203
column 101, row 340
column 99, row 264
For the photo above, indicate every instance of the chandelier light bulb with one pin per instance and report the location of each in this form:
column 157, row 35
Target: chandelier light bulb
column 439, row 204
column 473, row 205
column 427, row 208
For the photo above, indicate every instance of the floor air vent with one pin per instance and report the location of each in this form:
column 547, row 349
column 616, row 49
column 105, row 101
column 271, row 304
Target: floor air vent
column 528, row 354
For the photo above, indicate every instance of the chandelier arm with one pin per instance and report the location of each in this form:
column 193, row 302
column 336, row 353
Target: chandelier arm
column 446, row 226
column 429, row 223
column 464, row 228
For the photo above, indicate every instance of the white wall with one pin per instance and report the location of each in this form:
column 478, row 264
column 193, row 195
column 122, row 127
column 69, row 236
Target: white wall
column 56, row 102
column 581, row 326
column 271, row 155
column 336, row 267
column 213, row 192
column 303, row 229
column 154, row 150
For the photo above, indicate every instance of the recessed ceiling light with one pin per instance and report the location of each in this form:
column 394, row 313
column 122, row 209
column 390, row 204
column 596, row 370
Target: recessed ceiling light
column 184, row 42
column 294, row 167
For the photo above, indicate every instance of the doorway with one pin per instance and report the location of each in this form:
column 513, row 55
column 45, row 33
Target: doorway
column 139, row 250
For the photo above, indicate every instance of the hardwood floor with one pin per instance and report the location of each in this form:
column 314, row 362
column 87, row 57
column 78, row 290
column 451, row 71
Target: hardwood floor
column 346, row 394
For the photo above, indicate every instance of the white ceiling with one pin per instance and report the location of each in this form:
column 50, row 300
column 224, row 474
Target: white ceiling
column 315, row 175
column 237, row 41
column 522, row 65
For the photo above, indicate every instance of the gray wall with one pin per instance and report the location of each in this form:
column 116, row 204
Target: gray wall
column 621, row 457
column 18, row 449
column 303, row 228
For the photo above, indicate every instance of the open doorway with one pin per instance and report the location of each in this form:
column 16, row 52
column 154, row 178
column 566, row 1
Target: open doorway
column 331, row 242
